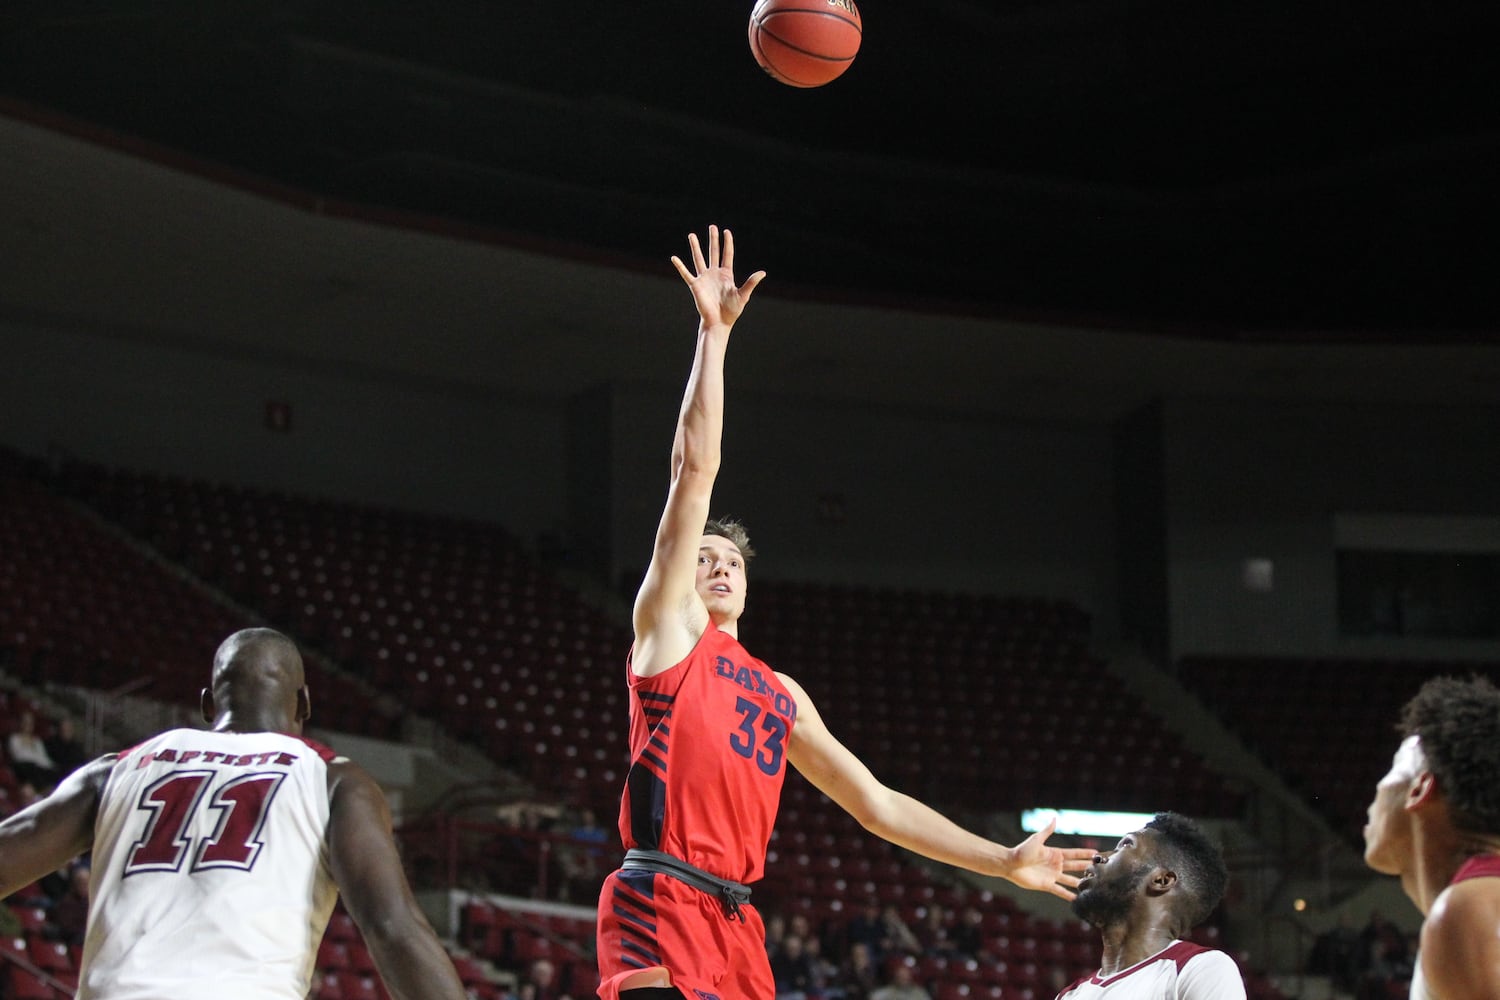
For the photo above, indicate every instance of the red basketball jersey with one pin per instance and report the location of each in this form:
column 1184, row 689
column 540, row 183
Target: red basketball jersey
column 708, row 742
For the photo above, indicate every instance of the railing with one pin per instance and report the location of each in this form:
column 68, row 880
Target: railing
column 56, row 986
column 526, row 861
column 110, row 716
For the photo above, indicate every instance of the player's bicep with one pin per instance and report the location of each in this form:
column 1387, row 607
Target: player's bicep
column 669, row 615
column 674, row 554
column 48, row 834
column 362, row 851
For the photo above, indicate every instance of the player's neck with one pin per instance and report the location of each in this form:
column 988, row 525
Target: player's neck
column 1437, row 851
column 253, row 722
column 729, row 626
column 1125, row 946
column 1440, row 854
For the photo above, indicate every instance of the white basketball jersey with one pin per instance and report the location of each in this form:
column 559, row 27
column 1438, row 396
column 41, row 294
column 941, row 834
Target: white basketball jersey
column 1180, row 971
column 1418, row 989
column 210, row 870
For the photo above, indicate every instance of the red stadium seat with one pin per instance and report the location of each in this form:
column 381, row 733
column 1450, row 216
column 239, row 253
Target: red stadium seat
column 22, row 985
column 353, row 986
column 50, row 956
column 326, row 986
column 333, row 956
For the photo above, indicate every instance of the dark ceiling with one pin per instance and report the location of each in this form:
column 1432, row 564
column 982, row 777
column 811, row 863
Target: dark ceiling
column 1239, row 169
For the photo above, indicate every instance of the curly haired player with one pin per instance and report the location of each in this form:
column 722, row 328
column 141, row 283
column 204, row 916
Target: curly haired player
column 1435, row 823
column 1146, row 896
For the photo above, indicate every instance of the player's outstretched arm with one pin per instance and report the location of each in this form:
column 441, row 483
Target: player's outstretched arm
column 49, row 833
column 902, row 820
column 1460, row 950
column 362, row 854
column 667, row 617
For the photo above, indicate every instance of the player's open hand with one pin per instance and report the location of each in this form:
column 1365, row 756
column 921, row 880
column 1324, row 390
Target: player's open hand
column 1048, row 869
column 711, row 279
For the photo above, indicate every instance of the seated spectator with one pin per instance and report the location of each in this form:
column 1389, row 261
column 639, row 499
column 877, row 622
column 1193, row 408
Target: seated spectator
column 1337, row 954
column 825, row 973
column 968, row 934
column 932, row 932
column 65, row 748
column 582, row 860
column 865, row 928
column 859, row 976
column 70, row 912
column 903, row 986
column 28, row 754
column 896, row 938
column 541, row 982
column 775, row 934
column 793, row 971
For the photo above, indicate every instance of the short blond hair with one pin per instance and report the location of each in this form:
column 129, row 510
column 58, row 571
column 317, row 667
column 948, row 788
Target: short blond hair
column 735, row 532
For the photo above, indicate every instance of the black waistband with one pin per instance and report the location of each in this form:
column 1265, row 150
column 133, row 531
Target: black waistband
column 731, row 894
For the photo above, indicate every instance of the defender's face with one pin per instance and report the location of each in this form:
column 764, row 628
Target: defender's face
column 1388, row 829
column 721, row 578
column 1108, row 888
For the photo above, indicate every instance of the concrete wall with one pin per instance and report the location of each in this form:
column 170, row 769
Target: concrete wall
column 183, row 409
column 1266, row 480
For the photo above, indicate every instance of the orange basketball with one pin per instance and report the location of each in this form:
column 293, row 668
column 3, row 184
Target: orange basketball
column 805, row 43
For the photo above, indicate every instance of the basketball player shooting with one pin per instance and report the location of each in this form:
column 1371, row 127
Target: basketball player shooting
column 712, row 730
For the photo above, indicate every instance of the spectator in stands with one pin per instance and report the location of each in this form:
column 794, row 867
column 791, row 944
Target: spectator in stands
column 174, row 864
column 541, row 982
column 65, row 748
column 28, row 754
column 895, row 937
column 70, row 911
column 775, row 934
column 712, row 730
column 859, row 975
column 932, row 932
column 903, row 985
column 866, row 928
column 968, row 934
column 1339, row 954
column 825, row 973
column 800, row 926
column 792, row 970
column 1145, row 897
column 1435, row 823
column 581, row 860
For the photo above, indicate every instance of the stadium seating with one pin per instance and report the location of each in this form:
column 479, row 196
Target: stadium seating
column 954, row 698
column 1327, row 726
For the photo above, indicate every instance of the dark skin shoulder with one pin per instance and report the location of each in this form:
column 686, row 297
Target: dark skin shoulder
column 49, row 833
column 367, row 868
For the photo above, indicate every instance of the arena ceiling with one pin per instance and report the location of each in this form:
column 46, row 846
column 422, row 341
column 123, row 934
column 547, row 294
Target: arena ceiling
column 1294, row 199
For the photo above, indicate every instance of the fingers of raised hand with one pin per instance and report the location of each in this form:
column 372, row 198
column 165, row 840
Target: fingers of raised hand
column 750, row 283
column 713, row 246
column 698, row 265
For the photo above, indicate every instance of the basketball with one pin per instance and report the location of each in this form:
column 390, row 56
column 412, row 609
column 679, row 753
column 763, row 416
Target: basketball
column 805, row 43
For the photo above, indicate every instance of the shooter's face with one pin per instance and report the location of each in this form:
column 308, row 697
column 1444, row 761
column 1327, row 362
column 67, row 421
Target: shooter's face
column 721, row 578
